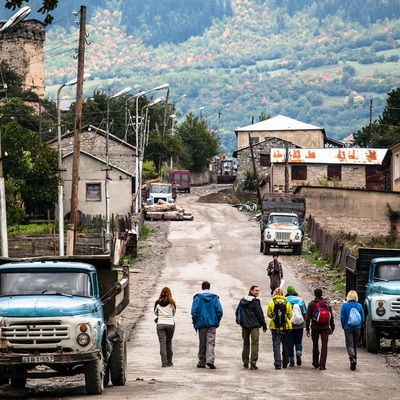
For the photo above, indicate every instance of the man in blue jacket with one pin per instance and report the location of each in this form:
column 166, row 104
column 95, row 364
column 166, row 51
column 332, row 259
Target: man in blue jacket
column 206, row 315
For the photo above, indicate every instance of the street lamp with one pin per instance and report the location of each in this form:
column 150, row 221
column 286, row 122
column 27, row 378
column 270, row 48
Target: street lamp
column 107, row 191
column 138, row 189
column 219, row 114
column 201, row 113
column 173, row 116
column 14, row 20
column 60, row 168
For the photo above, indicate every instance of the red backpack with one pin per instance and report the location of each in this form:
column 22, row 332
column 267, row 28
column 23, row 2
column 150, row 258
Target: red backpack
column 322, row 314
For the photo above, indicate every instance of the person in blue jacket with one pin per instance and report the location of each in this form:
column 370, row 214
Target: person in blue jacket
column 206, row 316
column 352, row 324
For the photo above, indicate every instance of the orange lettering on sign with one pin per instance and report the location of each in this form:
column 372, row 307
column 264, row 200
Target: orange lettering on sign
column 371, row 155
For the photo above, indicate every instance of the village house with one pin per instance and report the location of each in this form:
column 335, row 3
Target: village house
column 299, row 133
column 395, row 166
column 92, row 172
column 356, row 168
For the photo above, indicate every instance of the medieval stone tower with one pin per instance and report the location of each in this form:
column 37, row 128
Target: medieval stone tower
column 21, row 47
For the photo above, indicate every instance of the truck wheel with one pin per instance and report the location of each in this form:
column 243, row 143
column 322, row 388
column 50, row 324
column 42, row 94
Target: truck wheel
column 3, row 381
column 94, row 376
column 371, row 336
column 298, row 249
column 119, row 362
column 18, row 383
column 266, row 249
column 261, row 246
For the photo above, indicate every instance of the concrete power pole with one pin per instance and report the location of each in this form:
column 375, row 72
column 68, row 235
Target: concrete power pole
column 78, row 127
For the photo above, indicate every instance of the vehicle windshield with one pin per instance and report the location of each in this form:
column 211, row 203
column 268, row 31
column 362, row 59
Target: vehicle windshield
column 161, row 189
column 389, row 272
column 52, row 282
column 283, row 219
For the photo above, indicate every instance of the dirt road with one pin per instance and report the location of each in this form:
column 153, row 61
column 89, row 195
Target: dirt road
column 221, row 245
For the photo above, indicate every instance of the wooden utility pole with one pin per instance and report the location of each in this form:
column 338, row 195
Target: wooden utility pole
column 255, row 172
column 370, row 125
column 78, row 125
column 287, row 168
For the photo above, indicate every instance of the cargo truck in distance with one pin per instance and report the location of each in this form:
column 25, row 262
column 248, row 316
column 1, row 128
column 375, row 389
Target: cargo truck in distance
column 375, row 276
column 282, row 220
column 59, row 317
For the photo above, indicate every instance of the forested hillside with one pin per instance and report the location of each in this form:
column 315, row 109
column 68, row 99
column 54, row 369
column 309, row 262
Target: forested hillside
column 318, row 62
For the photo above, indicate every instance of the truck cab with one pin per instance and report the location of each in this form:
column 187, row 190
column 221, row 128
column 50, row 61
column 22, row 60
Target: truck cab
column 282, row 222
column 375, row 275
column 160, row 191
column 62, row 313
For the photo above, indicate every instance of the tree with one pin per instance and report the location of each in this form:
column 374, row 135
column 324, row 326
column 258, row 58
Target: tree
column 47, row 7
column 30, row 167
column 201, row 143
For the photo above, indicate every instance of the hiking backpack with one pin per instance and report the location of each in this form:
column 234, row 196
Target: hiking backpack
column 279, row 315
column 297, row 318
column 322, row 313
column 354, row 317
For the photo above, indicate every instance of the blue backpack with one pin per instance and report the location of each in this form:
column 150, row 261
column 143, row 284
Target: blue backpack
column 239, row 313
column 354, row 317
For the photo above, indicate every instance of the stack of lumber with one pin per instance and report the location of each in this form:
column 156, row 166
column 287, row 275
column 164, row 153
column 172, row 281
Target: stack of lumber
column 166, row 211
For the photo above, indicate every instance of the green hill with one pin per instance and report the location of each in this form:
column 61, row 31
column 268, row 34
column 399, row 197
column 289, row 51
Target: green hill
column 319, row 63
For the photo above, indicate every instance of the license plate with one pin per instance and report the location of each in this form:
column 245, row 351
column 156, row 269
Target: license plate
column 282, row 244
column 38, row 359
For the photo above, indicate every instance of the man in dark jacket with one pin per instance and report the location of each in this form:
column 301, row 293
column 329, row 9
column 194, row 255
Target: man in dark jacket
column 250, row 316
column 206, row 315
column 319, row 329
column 275, row 273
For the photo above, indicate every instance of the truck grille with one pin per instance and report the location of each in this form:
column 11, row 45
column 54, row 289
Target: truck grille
column 160, row 198
column 395, row 305
column 35, row 333
column 282, row 235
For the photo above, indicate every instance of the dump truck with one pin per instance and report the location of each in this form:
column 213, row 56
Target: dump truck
column 156, row 191
column 281, row 223
column 226, row 171
column 375, row 275
column 59, row 316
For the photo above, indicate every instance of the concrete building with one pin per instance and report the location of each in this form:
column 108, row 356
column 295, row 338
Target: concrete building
column 22, row 48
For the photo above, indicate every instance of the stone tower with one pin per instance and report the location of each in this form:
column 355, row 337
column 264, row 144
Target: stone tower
column 22, row 48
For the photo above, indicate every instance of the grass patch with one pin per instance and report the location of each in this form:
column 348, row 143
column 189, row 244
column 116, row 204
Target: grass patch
column 31, row 229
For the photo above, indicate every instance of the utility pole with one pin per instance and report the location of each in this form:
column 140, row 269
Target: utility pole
column 370, row 125
column 78, row 125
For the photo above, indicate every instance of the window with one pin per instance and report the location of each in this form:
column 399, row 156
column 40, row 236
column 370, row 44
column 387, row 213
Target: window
column 299, row 172
column 254, row 140
column 397, row 166
column 93, row 192
column 334, row 172
column 265, row 160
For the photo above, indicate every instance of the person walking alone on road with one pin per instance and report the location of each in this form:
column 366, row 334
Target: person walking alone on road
column 250, row 316
column 165, row 309
column 298, row 324
column 275, row 273
column 280, row 312
column 319, row 318
column 352, row 322
column 206, row 316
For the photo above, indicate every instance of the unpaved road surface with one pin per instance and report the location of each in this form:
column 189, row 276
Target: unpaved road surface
column 221, row 245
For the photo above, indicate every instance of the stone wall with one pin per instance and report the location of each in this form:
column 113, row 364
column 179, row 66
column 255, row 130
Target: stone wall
column 21, row 47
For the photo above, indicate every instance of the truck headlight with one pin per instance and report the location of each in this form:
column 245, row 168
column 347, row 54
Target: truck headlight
column 268, row 236
column 380, row 311
column 83, row 339
column 297, row 236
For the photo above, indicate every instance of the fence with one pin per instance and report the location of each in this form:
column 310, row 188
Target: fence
column 86, row 243
column 327, row 244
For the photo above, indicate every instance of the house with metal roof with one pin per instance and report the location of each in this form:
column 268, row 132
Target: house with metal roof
column 299, row 133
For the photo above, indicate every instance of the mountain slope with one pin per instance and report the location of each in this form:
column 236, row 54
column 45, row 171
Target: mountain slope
column 267, row 58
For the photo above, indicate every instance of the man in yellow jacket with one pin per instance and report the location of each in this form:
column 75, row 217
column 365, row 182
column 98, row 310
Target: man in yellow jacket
column 280, row 312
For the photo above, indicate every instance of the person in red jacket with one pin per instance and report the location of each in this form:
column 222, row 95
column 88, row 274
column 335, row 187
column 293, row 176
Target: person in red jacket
column 319, row 329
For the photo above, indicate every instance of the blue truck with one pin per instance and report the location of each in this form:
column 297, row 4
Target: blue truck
column 375, row 275
column 63, row 313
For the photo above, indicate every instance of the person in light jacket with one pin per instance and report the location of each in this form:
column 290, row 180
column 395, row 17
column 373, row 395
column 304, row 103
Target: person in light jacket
column 206, row 316
column 165, row 309
column 351, row 333
column 296, row 334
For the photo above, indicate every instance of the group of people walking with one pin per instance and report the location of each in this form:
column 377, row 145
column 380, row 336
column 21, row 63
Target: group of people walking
column 288, row 317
